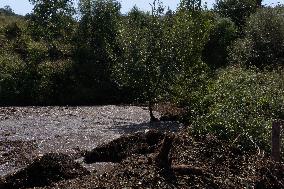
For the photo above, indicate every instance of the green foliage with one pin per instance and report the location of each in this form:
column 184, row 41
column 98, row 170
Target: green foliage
column 189, row 36
column 6, row 20
column 97, row 31
column 96, row 48
column 237, row 10
column 37, row 52
column 161, row 54
column 264, row 39
column 12, row 71
column 215, row 53
column 154, row 56
column 12, row 31
column 51, row 19
column 141, row 65
column 192, row 5
column 7, row 10
column 242, row 102
column 55, row 83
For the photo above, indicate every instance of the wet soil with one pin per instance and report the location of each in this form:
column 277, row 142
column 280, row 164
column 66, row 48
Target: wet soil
column 30, row 132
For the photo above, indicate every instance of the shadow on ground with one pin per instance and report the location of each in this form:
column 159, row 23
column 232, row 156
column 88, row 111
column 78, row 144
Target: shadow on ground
column 171, row 126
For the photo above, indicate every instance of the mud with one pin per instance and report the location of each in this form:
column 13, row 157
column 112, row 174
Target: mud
column 45, row 170
column 125, row 146
column 30, row 132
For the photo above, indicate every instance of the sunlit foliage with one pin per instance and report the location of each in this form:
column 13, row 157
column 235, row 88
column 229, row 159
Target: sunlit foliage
column 264, row 40
column 197, row 58
column 237, row 10
column 242, row 103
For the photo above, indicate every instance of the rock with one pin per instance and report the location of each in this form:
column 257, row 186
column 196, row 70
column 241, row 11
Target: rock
column 45, row 170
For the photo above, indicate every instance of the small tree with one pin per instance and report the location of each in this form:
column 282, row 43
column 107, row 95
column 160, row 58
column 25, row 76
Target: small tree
column 51, row 20
column 163, row 55
column 223, row 34
column 8, row 10
column 189, row 35
column 238, row 11
column 142, row 66
column 95, row 44
column 96, row 36
column 263, row 42
column 193, row 5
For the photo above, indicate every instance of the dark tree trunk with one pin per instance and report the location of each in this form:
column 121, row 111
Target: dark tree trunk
column 152, row 117
column 259, row 3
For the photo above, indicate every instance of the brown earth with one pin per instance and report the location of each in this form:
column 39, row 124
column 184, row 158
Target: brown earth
column 203, row 162
column 195, row 163
column 29, row 132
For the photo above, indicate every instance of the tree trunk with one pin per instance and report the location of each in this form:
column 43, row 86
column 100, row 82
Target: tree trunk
column 275, row 137
column 152, row 117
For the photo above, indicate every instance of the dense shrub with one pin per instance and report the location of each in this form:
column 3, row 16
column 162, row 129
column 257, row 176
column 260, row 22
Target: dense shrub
column 12, row 31
column 215, row 53
column 95, row 43
column 263, row 44
column 7, row 10
column 37, row 52
column 190, row 34
column 55, row 84
column 237, row 10
column 154, row 56
column 12, row 72
column 242, row 102
column 51, row 20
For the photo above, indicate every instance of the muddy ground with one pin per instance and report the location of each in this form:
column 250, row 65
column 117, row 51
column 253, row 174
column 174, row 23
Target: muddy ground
column 30, row 132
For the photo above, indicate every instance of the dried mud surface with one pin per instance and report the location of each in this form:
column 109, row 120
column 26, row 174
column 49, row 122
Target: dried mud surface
column 30, row 132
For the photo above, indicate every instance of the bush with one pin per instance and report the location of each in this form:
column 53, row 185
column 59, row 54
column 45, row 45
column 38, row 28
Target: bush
column 37, row 52
column 264, row 40
column 12, row 71
column 12, row 31
column 55, row 82
column 215, row 53
column 238, row 11
column 242, row 102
